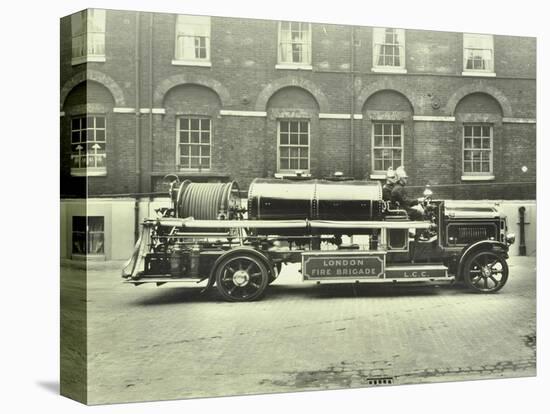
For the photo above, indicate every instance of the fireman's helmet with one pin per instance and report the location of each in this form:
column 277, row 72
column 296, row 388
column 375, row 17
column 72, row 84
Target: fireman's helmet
column 390, row 175
column 400, row 173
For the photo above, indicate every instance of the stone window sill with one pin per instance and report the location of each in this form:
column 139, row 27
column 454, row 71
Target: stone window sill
column 388, row 69
column 202, row 63
column 482, row 74
column 86, row 59
column 477, row 177
column 293, row 66
column 89, row 172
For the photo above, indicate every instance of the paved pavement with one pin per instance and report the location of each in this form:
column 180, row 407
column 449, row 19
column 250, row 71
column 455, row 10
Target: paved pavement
column 149, row 343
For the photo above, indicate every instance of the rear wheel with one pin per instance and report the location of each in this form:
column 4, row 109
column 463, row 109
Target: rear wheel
column 241, row 278
column 485, row 272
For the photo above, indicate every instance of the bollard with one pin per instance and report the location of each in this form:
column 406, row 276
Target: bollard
column 522, row 223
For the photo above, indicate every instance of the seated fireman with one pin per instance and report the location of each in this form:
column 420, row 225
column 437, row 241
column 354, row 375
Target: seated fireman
column 399, row 195
column 390, row 183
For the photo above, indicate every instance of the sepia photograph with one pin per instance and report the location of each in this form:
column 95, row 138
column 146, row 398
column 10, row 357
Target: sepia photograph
column 253, row 206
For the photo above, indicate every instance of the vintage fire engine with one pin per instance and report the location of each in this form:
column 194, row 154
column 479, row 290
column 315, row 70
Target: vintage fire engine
column 340, row 231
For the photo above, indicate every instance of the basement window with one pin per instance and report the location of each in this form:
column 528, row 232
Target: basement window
column 88, row 235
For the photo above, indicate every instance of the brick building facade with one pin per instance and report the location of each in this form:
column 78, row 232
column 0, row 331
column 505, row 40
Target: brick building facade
column 212, row 98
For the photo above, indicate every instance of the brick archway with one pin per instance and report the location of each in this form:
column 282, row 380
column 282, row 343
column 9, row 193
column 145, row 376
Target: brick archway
column 370, row 90
column 95, row 76
column 289, row 81
column 479, row 87
column 186, row 79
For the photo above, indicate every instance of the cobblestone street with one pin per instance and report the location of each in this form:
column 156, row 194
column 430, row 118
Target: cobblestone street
column 149, row 343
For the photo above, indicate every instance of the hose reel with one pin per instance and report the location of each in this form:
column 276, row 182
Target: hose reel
column 207, row 201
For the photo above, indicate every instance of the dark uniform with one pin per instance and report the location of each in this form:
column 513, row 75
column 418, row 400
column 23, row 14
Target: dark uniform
column 399, row 195
column 386, row 191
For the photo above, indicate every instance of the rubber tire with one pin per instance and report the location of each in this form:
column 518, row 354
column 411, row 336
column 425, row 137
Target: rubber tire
column 263, row 283
column 468, row 264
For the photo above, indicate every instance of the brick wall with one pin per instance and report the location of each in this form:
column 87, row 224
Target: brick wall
column 243, row 77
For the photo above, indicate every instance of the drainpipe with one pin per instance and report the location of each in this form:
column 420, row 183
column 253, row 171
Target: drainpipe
column 352, row 102
column 150, row 97
column 138, row 130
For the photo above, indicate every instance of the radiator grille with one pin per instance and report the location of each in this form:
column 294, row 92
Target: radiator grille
column 467, row 233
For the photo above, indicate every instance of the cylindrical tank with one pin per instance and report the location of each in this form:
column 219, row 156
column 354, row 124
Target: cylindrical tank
column 275, row 199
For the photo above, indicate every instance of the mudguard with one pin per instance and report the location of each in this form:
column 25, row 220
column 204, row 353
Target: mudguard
column 492, row 245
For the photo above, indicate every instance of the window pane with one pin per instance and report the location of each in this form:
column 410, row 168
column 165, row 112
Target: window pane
column 467, row 142
column 100, row 135
column 293, row 164
column 284, row 152
column 294, row 152
column 486, row 143
column 294, row 127
column 467, row 131
column 467, row 167
column 485, row 167
column 397, row 129
column 205, row 161
column 284, row 139
column 303, row 165
column 194, row 124
column 194, row 137
column 304, row 127
column 387, row 129
column 205, row 137
column 83, row 123
column 195, row 150
column 195, row 162
column 284, row 126
column 397, row 141
column 75, row 137
column 284, row 164
column 205, row 124
column 304, row 153
column 205, row 150
column 377, row 141
column 303, row 139
column 75, row 123
column 293, row 139
column 184, row 136
column 378, row 129
column 99, row 122
column 477, row 143
column 184, row 123
column 486, row 131
column 477, row 131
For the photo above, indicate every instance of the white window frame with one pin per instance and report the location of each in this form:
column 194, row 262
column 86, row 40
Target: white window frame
column 376, row 172
column 477, row 175
column 88, row 36
column 82, row 144
column 293, row 170
column 282, row 61
column 190, row 144
column 379, row 42
column 191, row 29
column 482, row 43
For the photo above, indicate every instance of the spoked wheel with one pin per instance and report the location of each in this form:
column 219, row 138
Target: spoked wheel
column 241, row 278
column 485, row 272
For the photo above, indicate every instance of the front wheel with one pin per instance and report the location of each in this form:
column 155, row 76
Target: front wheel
column 485, row 272
column 241, row 278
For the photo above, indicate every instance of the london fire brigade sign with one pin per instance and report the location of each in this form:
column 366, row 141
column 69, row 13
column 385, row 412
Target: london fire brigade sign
column 342, row 265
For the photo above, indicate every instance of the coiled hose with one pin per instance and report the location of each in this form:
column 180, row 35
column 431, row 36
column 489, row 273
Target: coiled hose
column 207, row 201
